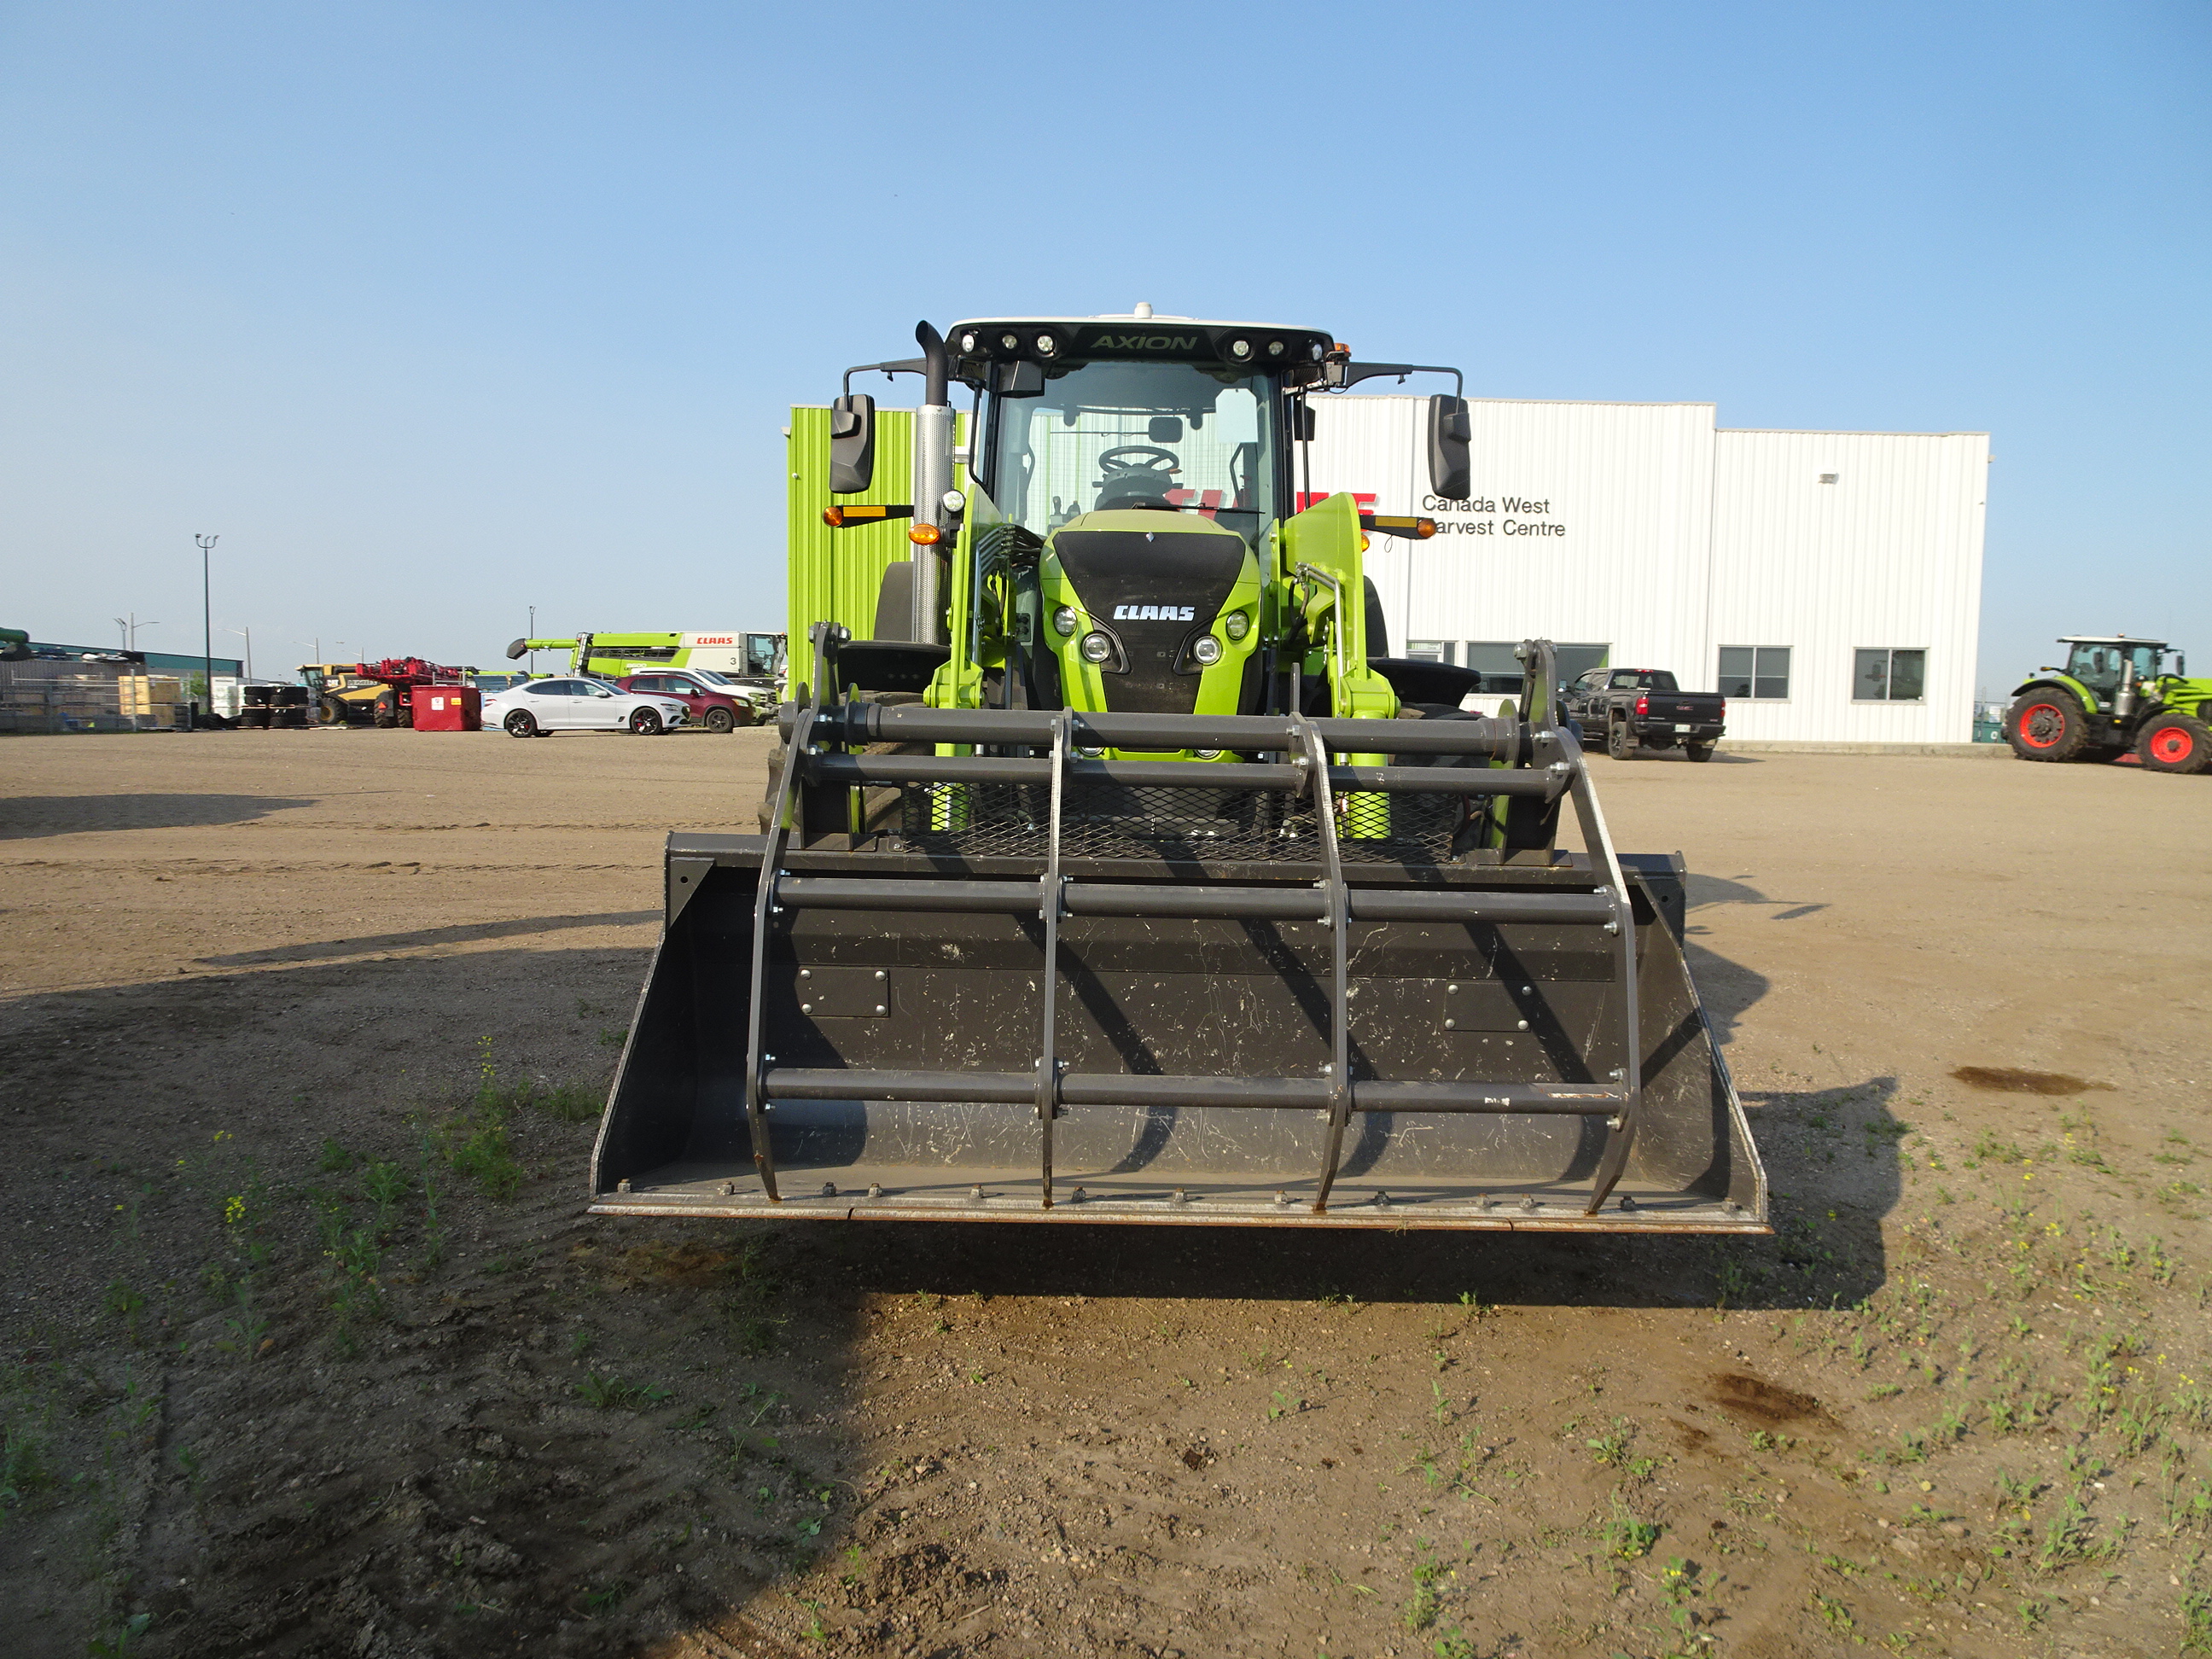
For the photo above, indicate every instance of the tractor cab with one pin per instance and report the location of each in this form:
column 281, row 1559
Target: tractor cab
column 2101, row 662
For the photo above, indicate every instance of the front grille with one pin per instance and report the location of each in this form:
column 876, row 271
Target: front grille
column 1190, row 824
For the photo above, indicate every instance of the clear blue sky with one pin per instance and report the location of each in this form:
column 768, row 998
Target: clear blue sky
column 435, row 312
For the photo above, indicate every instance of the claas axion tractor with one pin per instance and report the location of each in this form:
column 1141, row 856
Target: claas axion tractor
column 1112, row 870
column 2115, row 697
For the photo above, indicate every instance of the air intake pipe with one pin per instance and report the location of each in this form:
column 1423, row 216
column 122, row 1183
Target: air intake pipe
column 932, row 477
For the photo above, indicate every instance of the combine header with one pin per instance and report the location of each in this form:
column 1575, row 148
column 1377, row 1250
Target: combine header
column 1122, row 875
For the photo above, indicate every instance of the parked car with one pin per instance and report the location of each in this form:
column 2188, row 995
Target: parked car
column 573, row 704
column 1638, row 708
column 713, row 701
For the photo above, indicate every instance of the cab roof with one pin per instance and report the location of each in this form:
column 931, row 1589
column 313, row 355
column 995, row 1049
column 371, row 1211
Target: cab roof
column 2111, row 639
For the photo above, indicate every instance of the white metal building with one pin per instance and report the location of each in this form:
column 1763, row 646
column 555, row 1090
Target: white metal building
column 1828, row 583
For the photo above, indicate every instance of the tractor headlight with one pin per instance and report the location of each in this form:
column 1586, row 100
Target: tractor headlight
column 1047, row 345
column 1096, row 648
column 1240, row 349
column 1205, row 650
column 1063, row 622
column 1010, row 342
column 968, row 343
column 1237, row 625
column 1274, row 348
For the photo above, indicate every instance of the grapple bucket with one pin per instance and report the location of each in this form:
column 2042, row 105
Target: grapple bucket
column 973, row 973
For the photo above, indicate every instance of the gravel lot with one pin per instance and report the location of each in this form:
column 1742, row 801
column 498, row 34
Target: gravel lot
column 311, row 1350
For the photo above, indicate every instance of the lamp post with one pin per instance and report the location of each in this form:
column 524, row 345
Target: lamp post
column 206, row 545
column 130, row 625
column 247, row 635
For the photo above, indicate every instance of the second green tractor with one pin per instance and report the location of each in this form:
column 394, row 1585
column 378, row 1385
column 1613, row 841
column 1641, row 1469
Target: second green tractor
column 2114, row 697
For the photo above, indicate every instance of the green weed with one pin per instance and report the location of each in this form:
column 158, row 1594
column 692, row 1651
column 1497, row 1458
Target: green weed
column 1427, row 1598
column 1627, row 1537
column 2196, row 1621
column 604, row 1392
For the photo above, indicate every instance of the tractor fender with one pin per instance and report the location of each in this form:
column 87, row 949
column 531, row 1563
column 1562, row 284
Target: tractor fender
column 2081, row 693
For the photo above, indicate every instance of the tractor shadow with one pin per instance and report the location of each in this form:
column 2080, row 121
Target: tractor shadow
column 26, row 817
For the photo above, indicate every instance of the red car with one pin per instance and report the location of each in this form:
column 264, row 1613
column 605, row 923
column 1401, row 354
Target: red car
column 718, row 704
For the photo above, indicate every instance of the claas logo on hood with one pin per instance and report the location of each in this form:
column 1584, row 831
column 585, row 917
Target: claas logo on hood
column 1154, row 613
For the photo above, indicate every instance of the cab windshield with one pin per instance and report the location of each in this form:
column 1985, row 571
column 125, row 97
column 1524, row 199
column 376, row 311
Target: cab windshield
column 1169, row 436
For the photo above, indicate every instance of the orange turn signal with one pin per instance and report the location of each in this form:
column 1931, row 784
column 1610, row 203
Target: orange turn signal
column 926, row 534
column 833, row 516
column 1425, row 528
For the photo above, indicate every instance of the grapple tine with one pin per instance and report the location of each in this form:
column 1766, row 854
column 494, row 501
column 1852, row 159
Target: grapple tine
column 1049, row 906
column 1338, row 920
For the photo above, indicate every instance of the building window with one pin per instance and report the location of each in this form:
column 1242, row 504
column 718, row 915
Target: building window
column 1430, row 650
column 1758, row 672
column 1886, row 675
column 1501, row 670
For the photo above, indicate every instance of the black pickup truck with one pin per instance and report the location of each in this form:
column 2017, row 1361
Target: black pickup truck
column 1635, row 709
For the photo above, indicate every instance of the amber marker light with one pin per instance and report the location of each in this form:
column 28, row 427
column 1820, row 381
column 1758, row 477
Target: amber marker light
column 833, row 516
column 1425, row 528
column 926, row 534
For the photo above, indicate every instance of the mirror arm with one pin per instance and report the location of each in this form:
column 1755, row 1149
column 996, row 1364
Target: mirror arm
column 1351, row 373
column 902, row 366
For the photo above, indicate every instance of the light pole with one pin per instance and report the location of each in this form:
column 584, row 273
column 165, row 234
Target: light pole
column 206, row 545
column 130, row 625
column 248, row 634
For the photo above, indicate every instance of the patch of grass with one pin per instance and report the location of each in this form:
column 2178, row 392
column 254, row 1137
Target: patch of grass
column 335, row 1160
column 23, row 1470
column 607, row 1599
column 122, row 1640
column 606, row 1391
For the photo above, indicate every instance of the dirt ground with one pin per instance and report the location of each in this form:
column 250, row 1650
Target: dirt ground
column 312, row 1351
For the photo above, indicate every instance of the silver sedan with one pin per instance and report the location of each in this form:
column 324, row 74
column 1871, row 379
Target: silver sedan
column 576, row 703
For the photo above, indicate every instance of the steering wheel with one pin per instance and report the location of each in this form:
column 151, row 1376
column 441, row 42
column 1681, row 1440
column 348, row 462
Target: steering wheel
column 1139, row 457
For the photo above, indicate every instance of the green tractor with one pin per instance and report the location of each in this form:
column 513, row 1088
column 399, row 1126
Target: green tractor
column 2114, row 697
column 1112, row 870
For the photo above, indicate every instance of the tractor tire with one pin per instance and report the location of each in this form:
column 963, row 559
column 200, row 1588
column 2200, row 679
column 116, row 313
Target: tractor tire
column 387, row 711
column 721, row 721
column 521, row 724
column 330, row 712
column 645, row 723
column 2046, row 724
column 1619, row 742
column 1699, row 751
column 2175, row 743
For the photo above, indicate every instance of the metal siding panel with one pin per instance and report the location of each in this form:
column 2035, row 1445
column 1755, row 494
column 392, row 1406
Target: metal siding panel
column 1889, row 555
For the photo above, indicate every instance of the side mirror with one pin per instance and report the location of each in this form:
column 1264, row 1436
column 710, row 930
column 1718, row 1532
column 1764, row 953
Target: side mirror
column 852, row 444
column 1164, row 429
column 1451, row 472
column 517, row 650
column 1018, row 379
column 1302, row 422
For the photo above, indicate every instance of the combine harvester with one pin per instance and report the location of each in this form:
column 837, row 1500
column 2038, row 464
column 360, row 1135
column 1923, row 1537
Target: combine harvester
column 1112, row 870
